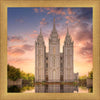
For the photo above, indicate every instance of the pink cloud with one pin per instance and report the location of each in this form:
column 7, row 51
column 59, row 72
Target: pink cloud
column 47, row 8
column 63, row 13
column 70, row 18
column 70, row 12
column 43, row 19
column 34, row 31
column 55, row 11
column 82, row 32
column 20, row 20
column 22, row 63
column 41, row 10
column 19, row 50
column 82, row 36
column 36, row 10
column 67, row 22
column 13, row 47
column 15, row 52
column 16, row 39
column 43, row 22
column 27, row 47
column 17, row 62
column 33, row 35
column 86, row 51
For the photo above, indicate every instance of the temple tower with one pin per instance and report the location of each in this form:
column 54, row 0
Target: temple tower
column 40, row 59
column 54, row 56
column 68, row 58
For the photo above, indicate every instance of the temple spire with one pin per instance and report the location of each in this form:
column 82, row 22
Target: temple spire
column 54, row 31
column 54, row 24
column 40, row 31
column 67, row 30
column 40, row 37
column 67, row 35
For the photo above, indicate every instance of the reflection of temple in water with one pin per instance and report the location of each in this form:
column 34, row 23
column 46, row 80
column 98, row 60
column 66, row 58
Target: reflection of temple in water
column 55, row 88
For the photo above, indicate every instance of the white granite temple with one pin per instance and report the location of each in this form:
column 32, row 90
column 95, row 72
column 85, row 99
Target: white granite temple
column 54, row 66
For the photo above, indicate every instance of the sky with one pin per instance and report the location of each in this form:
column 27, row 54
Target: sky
column 24, row 26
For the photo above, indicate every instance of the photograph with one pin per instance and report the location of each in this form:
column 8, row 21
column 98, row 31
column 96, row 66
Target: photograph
column 50, row 50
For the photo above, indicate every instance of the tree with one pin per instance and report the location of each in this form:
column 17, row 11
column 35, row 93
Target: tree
column 83, row 77
column 90, row 74
column 27, row 76
column 13, row 73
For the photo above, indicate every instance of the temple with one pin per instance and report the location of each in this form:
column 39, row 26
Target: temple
column 54, row 66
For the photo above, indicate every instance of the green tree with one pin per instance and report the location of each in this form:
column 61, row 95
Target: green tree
column 82, row 80
column 90, row 74
column 24, row 75
column 27, row 76
column 30, row 76
column 83, row 77
column 13, row 73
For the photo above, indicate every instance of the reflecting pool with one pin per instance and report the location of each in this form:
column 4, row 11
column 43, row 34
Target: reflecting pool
column 56, row 88
column 50, row 88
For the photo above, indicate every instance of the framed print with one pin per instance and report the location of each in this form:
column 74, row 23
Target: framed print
column 49, row 50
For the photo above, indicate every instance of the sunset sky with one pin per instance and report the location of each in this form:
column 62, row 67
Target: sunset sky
column 24, row 26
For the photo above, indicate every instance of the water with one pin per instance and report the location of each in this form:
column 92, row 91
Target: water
column 57, row 88
column 50, row 88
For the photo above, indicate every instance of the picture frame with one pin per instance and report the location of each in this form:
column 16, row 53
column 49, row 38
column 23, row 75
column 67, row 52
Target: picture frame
column 4, row 4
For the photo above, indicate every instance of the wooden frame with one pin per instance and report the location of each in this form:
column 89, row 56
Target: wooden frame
column 52, row 3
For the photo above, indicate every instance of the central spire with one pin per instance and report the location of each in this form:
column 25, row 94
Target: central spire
column 54, row 23
column 54, row 27
column 54, row 31
column 67, row 30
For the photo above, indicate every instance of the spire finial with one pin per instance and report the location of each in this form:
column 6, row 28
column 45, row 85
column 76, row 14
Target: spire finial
column 54, row 23
column 67, row 29
column 54, row 20
column 40, row 31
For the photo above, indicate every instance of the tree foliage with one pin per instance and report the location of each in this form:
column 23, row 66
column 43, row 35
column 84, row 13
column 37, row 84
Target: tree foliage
column 15, row 73
column 90, row 74
column 83, row 77
column 27, row 76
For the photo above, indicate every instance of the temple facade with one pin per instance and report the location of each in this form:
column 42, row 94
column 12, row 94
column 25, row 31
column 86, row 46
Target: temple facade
column 54, row 66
